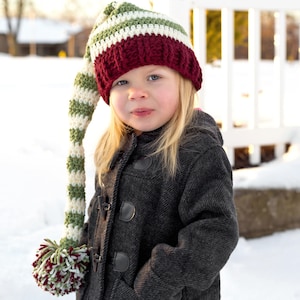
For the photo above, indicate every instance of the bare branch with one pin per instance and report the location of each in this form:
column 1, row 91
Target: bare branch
column 19, row 16
column 7, row 16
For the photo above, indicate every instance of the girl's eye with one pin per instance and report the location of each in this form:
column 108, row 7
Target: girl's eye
column 153, row 77
column 121, row 82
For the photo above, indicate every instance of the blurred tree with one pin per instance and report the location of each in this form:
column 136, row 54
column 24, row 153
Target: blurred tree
column 72, row 10
column 241, row 35
column 13, row 28
column 213, row 35
column 267, row 34
column 292, row 43
column 213, row 23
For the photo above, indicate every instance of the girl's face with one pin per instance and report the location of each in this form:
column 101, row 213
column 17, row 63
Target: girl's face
column 146, row 98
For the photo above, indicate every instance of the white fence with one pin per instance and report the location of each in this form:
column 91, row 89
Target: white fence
column 253, row 136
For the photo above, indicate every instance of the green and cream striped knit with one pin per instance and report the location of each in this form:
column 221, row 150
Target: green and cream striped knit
column 81, row 108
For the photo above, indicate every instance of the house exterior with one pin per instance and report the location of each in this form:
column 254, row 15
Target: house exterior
column 44, row 37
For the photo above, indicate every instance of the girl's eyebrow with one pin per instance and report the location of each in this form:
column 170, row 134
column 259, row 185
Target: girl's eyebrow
column 155, row 67
column 156, row 71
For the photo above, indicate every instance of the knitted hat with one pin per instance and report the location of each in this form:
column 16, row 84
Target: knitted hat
column 129, row 37
column 124, row 37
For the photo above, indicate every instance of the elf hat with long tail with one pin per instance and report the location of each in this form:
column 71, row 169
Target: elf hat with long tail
column 124, row 37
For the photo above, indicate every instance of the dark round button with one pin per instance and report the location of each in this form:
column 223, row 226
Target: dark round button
column 127, row 211
column 120, row 262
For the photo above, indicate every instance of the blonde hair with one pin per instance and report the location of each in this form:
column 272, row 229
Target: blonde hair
column 168, row 142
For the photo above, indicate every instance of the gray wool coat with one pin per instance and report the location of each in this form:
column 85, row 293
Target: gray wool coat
column 153, row 237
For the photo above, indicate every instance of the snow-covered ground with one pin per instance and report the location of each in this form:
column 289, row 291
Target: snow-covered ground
column 34, row 95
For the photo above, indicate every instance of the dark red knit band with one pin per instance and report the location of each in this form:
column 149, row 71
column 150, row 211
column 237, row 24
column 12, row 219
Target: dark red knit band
column 145, row 50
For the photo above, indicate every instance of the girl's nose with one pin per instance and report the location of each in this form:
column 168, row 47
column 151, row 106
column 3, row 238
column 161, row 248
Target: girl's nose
column 137, row 93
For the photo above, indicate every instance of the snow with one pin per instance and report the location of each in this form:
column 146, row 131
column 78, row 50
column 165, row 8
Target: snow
column 34, row 95
column 286, row 169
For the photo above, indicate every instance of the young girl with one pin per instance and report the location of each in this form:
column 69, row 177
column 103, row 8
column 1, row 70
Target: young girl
column 162, row 222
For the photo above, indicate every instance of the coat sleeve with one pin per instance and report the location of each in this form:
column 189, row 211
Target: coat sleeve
column 209, row 235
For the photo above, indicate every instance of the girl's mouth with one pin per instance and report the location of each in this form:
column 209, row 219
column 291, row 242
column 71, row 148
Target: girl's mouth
column 142, row 112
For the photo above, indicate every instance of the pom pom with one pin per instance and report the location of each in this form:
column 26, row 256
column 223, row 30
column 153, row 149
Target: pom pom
column 60, row 271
